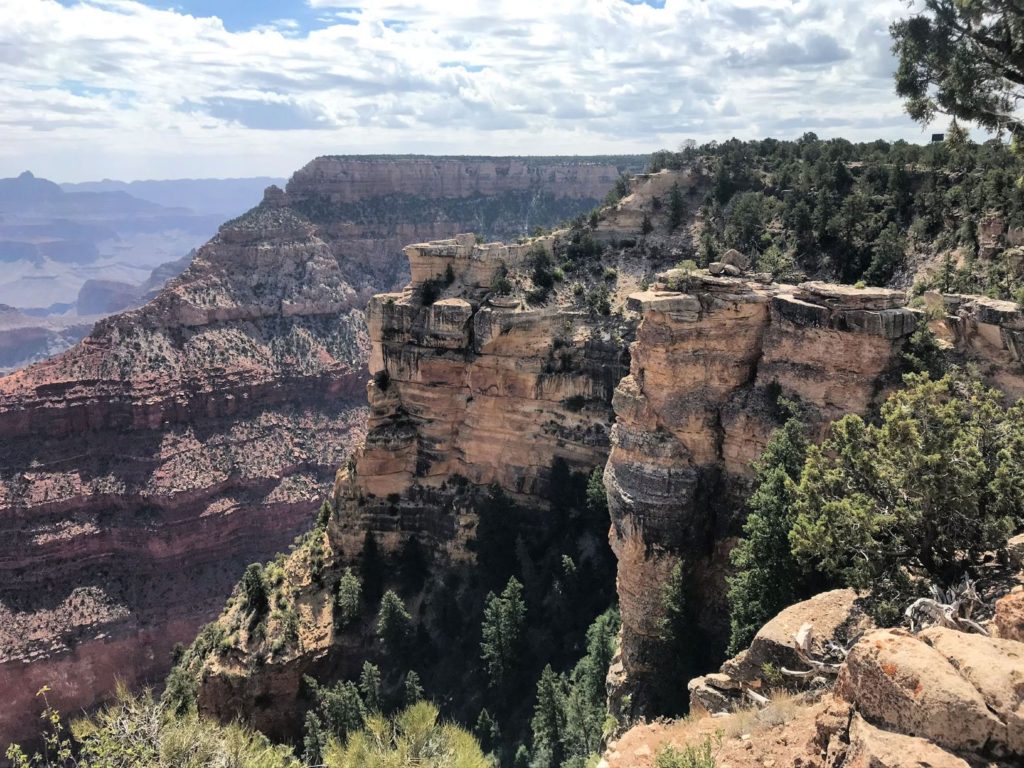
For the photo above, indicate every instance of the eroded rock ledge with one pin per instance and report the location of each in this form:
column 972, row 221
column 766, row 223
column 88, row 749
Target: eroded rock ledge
column 711, row 357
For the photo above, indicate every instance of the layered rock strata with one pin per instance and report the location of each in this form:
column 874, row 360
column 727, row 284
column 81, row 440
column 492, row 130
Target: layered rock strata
column 466, row 391
column 141, row 470
column 145, row 467
column 709, row 362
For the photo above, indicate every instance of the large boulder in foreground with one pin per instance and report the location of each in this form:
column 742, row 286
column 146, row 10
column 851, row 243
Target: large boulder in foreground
column 835, row 617
column 1008, row 621
column 960, row 691
column 872, row 747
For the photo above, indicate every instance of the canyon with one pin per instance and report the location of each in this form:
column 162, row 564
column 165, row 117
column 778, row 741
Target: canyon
column 476, row 386
column 143, row 468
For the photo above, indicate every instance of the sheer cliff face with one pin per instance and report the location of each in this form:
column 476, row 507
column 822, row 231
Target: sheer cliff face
column 487, row 390
column 473, row 389
column 697, row 409
column 371, row 209
column 144, row 468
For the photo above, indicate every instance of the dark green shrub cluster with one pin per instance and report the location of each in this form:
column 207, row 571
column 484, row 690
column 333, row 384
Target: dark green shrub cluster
column 886, row 508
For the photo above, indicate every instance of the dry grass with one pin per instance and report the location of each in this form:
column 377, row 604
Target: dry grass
column 782, row 708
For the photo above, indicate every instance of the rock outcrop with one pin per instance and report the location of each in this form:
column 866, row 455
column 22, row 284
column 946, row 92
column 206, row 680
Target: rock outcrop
column 988, row 333
column 141, row 470
column 938, row 698
column 471, row 386
column 711, row 357
column 835, row 618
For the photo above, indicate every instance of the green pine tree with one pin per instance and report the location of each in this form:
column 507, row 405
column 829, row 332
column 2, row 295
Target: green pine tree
column 394, row 624
column 503, row 625
column 349, row 600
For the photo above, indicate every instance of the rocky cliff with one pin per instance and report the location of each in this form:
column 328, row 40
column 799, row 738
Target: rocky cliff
column 468, row 390
column 477, row 383
column 710, row 360
column 142, row 469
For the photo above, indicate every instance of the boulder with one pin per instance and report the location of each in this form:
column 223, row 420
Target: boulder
column 736, row 259
column 706, row 698
column 899, row 682
column 872, row 747
column 1015, row 551
column 732, row 270
column 995, row 667
column 1009, row 617
column 716, row 267
column 834, row 616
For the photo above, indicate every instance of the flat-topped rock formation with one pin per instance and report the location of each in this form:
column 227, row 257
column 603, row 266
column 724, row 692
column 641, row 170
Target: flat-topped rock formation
column 472, row 385
column 712, row 355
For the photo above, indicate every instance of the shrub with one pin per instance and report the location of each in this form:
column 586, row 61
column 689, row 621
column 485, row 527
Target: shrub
column 691, row 756
column 937, row 482
column 500, row 284
column 137, row 731
column 541, row 266
column 431, row 290
column 414, row 737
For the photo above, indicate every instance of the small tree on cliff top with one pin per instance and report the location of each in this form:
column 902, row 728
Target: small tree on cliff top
column 254, row 591
column 939, row 481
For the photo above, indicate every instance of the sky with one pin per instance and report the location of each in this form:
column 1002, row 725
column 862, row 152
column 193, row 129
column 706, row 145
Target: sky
column 138, row 89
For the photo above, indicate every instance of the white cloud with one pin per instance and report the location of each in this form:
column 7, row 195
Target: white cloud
column 118, row 88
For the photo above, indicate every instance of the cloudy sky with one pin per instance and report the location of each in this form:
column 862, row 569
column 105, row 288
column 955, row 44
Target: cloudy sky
column 170, row 88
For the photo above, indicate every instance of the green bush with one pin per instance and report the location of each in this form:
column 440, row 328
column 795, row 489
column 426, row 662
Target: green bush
column 136, row 731
column 923, row 493
column 700, row 756
column 415, row 737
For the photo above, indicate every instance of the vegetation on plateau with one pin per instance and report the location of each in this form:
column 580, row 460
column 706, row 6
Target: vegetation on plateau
column 888, row 508
column 876, row 212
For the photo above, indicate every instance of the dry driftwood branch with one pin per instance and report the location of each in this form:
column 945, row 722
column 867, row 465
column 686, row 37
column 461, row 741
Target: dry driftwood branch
column 802, row 646
column 950, row 608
